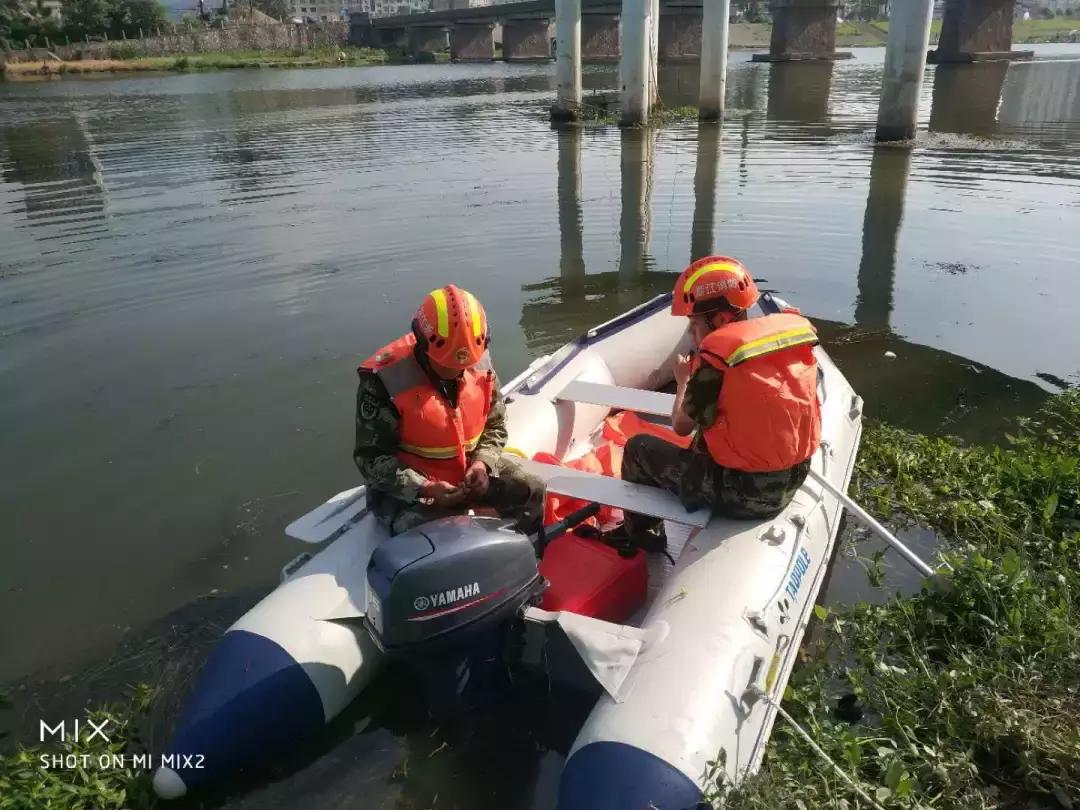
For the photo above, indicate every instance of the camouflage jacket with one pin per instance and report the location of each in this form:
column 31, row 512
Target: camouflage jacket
column 703, row 394
column 377, row 433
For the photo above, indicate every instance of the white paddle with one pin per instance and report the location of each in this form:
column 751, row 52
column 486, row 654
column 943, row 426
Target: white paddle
column 916, row 561
column 332, row 518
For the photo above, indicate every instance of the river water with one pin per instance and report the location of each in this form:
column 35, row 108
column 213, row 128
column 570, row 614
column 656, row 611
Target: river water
column 192, row 265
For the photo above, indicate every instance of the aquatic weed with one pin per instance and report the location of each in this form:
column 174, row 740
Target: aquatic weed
column 969, row 695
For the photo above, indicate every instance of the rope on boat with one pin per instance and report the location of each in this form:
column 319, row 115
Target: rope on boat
column 817, row 749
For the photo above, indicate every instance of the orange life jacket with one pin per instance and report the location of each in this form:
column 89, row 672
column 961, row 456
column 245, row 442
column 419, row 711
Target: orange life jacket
column 435, row 439
column 768, row 417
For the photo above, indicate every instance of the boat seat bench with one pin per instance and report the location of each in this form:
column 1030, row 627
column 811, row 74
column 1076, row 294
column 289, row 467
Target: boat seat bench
column 626, row 399
column 604, row 489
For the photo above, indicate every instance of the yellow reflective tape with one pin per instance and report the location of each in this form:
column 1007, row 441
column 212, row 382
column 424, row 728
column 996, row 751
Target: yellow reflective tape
column 474, row 314
column 442, row 315
column 770, row 343
column 774, row 667
column 439, row 452
column 723, row 267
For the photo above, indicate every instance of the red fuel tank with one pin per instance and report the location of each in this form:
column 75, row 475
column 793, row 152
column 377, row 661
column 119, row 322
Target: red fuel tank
column 592, row 579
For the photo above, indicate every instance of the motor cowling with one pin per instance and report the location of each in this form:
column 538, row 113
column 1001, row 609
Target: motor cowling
column 444, row 581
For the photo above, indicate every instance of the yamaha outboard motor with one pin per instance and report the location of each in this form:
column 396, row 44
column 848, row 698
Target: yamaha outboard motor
column 442, row 596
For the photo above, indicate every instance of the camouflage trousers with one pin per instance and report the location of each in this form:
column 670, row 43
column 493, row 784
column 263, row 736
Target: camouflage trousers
column 512, row 493
column 701, row 482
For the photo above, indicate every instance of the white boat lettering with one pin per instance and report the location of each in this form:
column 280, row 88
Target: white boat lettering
column 802, row 564
column 449, row 597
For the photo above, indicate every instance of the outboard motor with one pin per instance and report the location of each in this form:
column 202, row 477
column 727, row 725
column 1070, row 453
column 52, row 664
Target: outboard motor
column 441, row 597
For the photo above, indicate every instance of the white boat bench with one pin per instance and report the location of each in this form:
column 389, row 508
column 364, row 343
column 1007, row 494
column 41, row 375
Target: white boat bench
column 626, row 399
column 614, row 491
column 604, row 489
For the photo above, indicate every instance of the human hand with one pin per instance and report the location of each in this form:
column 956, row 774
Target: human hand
column 442, row 494
column 477, row 478
column 684, row 366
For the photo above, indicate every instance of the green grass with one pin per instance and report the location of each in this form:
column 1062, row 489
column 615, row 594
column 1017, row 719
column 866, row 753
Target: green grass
column 26, row 785
column 971, row 694
column 1059, row 29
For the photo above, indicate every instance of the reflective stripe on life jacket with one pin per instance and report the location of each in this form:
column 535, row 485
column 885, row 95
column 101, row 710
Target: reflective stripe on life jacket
column 768, row 417
column 434, row 438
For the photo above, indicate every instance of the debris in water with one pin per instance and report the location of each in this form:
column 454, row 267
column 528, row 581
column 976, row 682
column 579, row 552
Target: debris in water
column 848, row 709
column 442, row 747
column 890, row 355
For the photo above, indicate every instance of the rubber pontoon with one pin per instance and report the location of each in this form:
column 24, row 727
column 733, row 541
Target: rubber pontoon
column 724, row 622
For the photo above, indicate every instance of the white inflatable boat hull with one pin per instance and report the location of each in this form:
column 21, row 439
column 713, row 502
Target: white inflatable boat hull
column 729, row 617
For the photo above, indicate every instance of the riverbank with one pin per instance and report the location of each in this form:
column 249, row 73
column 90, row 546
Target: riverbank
column 129, row 58
column 874, row 34
column 963, row 696
column 322, row 57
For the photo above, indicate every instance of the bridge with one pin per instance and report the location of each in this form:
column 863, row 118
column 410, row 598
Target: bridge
column 527, row 32
column 640, row 33
column 803, row 30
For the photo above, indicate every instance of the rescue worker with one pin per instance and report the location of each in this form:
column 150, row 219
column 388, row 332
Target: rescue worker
column 748, row 393
column 431, row 422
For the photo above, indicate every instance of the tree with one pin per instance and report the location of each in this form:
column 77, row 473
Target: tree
column 131, row 16
column 274, row 8
column 86, row 17
column 112, row 17
column 20, row 21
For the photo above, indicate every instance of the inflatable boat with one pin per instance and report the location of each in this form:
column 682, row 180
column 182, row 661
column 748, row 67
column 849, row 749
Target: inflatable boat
column 682, row 650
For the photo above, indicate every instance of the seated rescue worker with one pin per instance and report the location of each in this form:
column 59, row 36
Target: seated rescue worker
column 749, row 391
column 431, row 422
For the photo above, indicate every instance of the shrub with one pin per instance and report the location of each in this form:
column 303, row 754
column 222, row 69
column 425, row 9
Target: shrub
column 124, row 51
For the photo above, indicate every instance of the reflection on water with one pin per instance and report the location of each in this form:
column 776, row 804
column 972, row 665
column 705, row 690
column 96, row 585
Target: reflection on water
column 637, row 157
column 966, row 97
column 889, row 170
column 54, row 161
column 799, row 92
column 190, row 266
column 708, row 159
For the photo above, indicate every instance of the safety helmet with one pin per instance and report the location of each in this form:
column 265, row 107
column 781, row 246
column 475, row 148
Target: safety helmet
column 451, row 327
column 714, row 283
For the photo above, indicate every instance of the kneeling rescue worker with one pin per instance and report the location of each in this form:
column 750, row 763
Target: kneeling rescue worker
column 749, row 392
column 431, row 422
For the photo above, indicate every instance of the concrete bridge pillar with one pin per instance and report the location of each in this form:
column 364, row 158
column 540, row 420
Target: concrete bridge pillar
column 977, row 31
column 600, row 37
column 680, row 35
column 392, row 37
column 428, row 38
column 637, row 64
column 526, row 40
column 905, row 64
column 803, row 30
column 567, row 105
column 472, row 42
column 712, row 82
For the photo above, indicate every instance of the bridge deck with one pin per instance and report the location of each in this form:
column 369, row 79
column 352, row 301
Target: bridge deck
column 530, row 8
